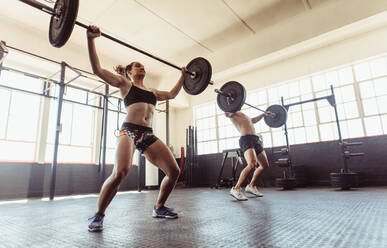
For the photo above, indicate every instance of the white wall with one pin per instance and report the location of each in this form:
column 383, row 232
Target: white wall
column 182, row 119
column 285, row 68
column 324, row 17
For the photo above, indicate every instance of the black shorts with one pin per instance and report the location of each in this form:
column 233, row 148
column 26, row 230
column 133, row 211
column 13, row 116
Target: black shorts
column 142, row 136
column 251, row 141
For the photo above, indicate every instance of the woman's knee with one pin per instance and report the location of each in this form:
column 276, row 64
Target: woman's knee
column 120, row 174
column 174, row 173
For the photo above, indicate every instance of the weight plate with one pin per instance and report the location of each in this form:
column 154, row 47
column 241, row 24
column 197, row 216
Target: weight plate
column 196, row 84
column 280, row 117
column 62, row 24
column 237, row 99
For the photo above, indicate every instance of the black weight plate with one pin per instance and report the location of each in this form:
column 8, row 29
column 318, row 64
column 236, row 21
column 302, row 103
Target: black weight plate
column 62, row 26
column 286, row 183
column 344, row 180
column 195, row 85
column 281, row 115
column 237, row 92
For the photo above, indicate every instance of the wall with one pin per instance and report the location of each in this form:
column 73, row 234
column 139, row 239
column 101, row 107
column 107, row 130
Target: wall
column 316, row 159
column 183, row 118
column 21, row 180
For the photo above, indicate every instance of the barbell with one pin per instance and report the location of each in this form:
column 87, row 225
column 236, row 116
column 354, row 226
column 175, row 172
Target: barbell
column 63, row 19
column 232, row 95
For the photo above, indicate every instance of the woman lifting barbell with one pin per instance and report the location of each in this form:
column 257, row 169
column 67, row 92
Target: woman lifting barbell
column 135, row 133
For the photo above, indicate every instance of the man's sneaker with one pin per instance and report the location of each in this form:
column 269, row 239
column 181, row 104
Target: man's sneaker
column 253, row 190
column 96, row 224
column 237, row 193
column 164, row 212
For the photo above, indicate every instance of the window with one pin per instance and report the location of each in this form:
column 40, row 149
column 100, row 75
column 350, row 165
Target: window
column 76, row 139
column 361, row 96
column 373, row 125
column 26, row 115
column 75, row 95
column 5, row 96
column 206, row 128
column 20, row 81
column 19, row 117
column 228, row 135
column 114, row 123
column 373, row 95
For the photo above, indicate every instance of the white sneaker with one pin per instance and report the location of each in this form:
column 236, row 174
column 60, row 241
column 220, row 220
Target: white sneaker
column 237, row 193
column 253, row 190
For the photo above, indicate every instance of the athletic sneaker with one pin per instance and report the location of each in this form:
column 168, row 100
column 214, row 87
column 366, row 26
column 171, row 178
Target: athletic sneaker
column 237, row 193
column 253, row 190
column 164, row 212
column 96, row 224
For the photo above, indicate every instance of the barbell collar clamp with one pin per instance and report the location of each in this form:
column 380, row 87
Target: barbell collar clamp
column 224, row 94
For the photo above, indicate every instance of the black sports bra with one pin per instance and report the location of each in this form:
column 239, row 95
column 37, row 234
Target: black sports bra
column 137, row 94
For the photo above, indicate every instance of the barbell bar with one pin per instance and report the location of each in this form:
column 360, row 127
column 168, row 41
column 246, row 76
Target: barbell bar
column 62, row 23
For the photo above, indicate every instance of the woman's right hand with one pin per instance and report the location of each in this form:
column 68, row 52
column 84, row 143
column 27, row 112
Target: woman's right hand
column 93, row 32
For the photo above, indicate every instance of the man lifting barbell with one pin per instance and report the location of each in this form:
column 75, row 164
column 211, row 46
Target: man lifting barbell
column 135, row 133
column 231, row 97
column 252, row 149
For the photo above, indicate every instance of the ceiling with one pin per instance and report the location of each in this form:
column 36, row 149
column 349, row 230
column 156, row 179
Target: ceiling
column 174, row 30
column 227, row 32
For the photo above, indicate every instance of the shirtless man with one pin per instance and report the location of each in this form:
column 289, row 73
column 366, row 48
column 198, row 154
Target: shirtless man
column 253, row 152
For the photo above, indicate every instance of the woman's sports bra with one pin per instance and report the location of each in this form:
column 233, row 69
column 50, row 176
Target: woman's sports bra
column 137, row 94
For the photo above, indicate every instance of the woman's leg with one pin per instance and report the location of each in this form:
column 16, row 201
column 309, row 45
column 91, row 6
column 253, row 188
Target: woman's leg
column 160, row 155
column 124, row 156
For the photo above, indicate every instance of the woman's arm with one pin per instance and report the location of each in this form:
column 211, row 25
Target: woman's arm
column 107, row 76
column 165, row 95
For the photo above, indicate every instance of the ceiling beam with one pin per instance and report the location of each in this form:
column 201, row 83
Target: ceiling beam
column 307, row 4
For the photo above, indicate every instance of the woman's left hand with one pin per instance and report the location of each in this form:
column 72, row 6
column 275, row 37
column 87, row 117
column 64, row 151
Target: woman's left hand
column 183, row 71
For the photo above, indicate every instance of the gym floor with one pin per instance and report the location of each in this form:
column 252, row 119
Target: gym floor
column 306, row 217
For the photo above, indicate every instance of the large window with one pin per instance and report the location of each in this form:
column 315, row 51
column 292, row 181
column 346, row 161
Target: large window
column 77, row 133
column 19, row 117
column 373, row 92
column 28, row 119
column 361, row 97
column 28, row 113
column 18, row 122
